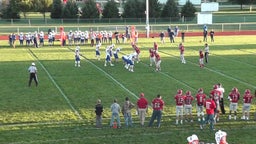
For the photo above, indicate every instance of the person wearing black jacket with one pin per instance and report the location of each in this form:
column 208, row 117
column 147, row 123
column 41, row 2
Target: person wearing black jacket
column 98, row 111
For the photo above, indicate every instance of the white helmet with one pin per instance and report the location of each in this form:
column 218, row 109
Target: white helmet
column 33, row 64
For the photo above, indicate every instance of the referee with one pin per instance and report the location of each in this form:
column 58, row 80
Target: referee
column 32, row 72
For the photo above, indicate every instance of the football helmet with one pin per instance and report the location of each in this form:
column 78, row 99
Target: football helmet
column 235, row 89
column 188, row 93
column 179, row 91
column 247, row 91
column 200, row 90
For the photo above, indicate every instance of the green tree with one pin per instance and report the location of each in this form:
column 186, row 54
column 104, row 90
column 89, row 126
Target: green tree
column 90, row 10
column 134, row 9
column 12, row 10
column 188, row 11
column 45, row 6
column 70, row 10
column 110, row 10
column 170, row 9
column 154, row 8
column 25, row 6
column 56, row 11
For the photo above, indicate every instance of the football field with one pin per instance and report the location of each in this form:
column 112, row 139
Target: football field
column 61, row 109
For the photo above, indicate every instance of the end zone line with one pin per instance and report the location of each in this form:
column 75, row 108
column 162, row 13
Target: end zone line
column 56, row 85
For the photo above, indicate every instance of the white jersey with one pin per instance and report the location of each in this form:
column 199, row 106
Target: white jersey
column 98, row 47
column 32, row 69
column 222, row 90
column 21, row 37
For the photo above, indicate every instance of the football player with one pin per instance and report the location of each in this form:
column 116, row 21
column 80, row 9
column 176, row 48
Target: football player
column 188, row 106
column 200, row 98
column 179, row 99
column 247, row 104
column 233, row 97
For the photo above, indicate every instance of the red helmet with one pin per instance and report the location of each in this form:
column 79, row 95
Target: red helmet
column 188, row 93
column 247, row 91
column 200, row 90
column 179, row 91
column 215, row 86
column 235, row 89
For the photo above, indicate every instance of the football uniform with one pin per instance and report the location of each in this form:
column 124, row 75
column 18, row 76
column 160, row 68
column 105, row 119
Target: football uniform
column 247, row 104
column 151, row 56
column 220, row 137
column 182, row 50
column 188, row 104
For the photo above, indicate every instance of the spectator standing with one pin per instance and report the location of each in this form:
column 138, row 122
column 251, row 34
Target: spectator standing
column 98, row 111
column 32, row 74
column 210, row 106
column 157, row 105
column 115, row 110
column 13, row 40
column 142, row 108
column 205, row 32
column 176, row 31
column 162, row 37
column 183, row 36
column 126, row 110
column 222, row 91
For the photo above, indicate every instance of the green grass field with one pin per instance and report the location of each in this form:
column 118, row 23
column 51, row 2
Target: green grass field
column 61, row 109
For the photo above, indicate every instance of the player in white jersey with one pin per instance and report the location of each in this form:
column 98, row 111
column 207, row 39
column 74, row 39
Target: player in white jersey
column 32, row 74
column 41, row 38
column 53, row 37
column 21, row 38
column 193, row 139
column 115, row 53
column 220, row 137
column 131, row 59
column 50, row 39
column 86, row 37
column 70, row 38
column 108, row 57
column 28, row 39
column 82, row 38
column 77, row 56
column 110, row 35
column 97, row 50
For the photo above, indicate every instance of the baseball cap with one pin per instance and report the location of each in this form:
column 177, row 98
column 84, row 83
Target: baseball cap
column 141, row 94
column 33, row 64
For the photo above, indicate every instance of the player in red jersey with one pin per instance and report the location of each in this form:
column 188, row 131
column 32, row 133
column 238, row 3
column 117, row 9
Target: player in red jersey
column 151, row 56
column 200, row 98
column 137, row 50
column 201, row 59
column 188, row 106
column 182, row 50
column 158, row 106
column 179, row 99
column 247, row 104
column 158, row 61
column 233, row 97
column 215, row 93
column 210, row 106
column 155, row 46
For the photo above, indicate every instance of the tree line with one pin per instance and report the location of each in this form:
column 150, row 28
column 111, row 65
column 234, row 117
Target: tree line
column 13, row 9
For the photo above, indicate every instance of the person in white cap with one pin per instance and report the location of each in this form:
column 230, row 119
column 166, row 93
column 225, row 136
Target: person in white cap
column 193, row 139
column 77, row 57
column 220, row 137
column 33, row 74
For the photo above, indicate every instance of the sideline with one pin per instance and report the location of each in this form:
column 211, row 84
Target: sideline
column 55, row 84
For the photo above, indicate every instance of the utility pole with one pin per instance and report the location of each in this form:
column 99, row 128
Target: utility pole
column 147, row 18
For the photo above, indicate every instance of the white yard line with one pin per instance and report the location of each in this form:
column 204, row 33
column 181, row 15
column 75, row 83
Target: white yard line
column 56, row 85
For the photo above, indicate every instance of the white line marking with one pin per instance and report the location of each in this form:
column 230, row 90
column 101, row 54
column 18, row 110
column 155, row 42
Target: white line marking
column 56, row 85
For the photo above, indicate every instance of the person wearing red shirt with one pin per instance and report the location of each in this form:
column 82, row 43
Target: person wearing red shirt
column 188, row 106
column 182, row 50
column 158, row 61
column 210, row 106
column 137, row 50
column 247, row 104
column 179, row 99
column 142, row 108
column 193, row 139
column 157, row 105
column 201, row 59
column 233, row 97
column 200, row 98
column 151, row 56
column 155, row 46
column 215, row 93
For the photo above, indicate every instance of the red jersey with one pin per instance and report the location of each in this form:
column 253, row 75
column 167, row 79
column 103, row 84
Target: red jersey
column 234, row 97
column 215, row 95
column 210, row 106
column 151, row 53
column 182, row 49
column 157, row 56
column 200, row 98
column 137, row 50
column 155, row 47
column 201, row 55
column 247, row 98
column 157, row 104
column 142, row 103
column 188, row 100
column 179, row 100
